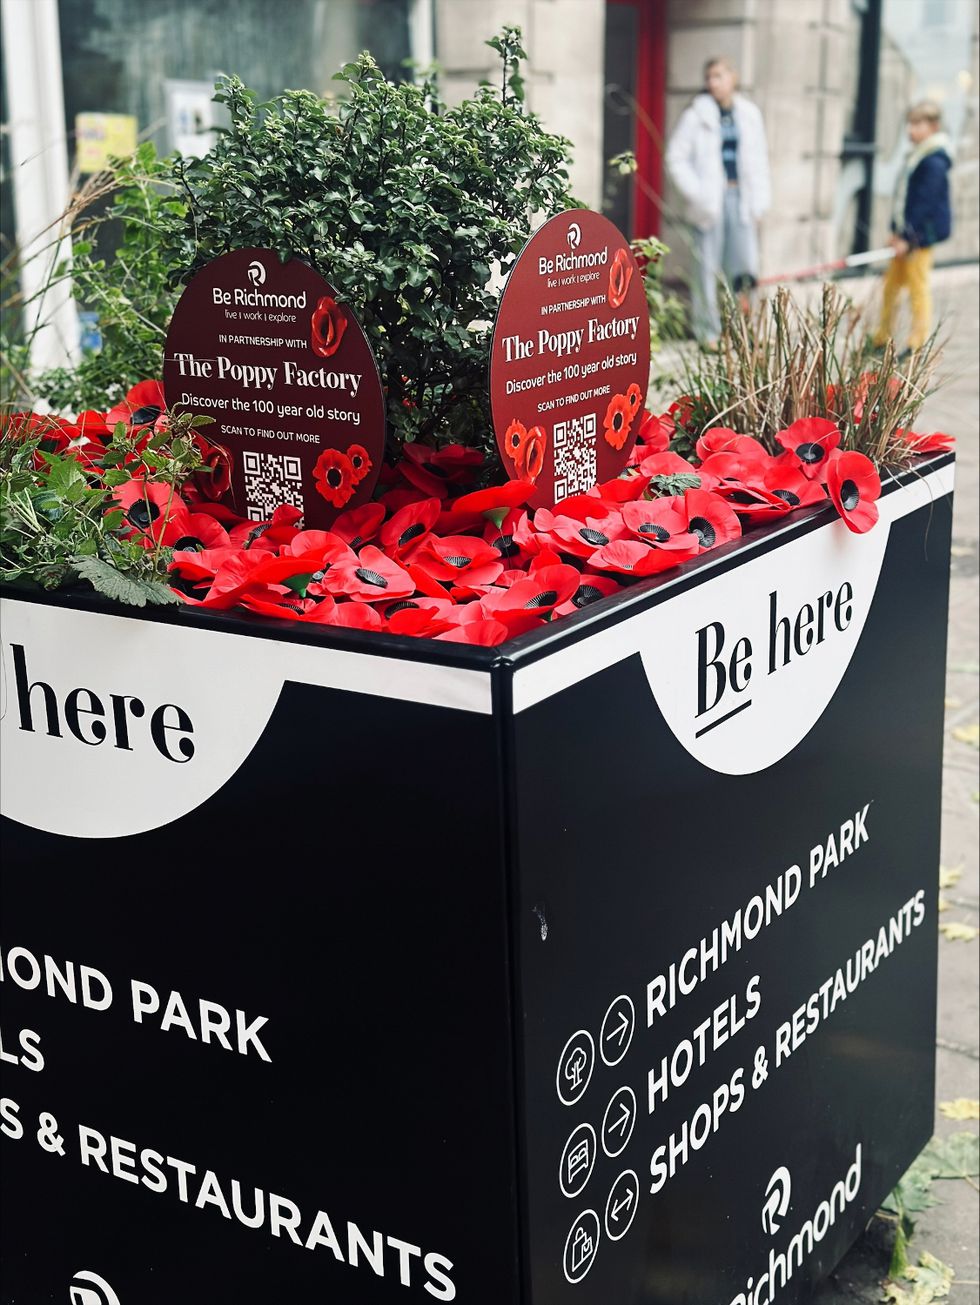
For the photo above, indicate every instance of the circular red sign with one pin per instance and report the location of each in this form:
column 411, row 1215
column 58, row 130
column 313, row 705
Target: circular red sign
column 286, row 372
column 570, row 357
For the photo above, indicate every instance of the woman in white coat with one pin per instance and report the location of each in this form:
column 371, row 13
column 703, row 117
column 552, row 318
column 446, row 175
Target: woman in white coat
column 718, row 159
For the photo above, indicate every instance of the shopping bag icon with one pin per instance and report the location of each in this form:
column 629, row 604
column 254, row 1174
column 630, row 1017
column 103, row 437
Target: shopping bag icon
column 582, row 1248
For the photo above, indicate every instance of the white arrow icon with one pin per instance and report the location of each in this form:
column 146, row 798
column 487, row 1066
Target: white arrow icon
column 618, row 1121
column 621, row 1029
column 622, row 1123
column 622, row 1205
column 617, row 1030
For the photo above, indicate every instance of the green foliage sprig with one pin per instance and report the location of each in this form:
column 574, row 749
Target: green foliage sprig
column 409, row 207
column 60, row 524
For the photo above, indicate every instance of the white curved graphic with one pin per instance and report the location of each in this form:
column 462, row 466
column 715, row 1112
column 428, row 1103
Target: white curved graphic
column 88, row 1288
column 776, row 1204
column 574, row 236
column 256, row 272
column 112, row 726
column 743, row 664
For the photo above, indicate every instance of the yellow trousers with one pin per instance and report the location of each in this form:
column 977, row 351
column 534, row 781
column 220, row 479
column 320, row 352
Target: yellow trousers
column 910, row 272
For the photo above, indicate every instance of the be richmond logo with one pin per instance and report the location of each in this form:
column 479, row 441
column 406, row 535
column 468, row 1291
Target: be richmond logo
column 763, row 1288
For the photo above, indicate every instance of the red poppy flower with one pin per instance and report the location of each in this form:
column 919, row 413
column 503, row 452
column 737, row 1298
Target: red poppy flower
column 473, row 509
column 334, row 477
column 458, row 559
column 620, row 275
column 662, row 523
column 201, row 566
column 655, row 433
column 579, row 538
column 741, row 484
column 710, row 519
column 937, row 442
column 309, row 611
column 142, row 406
column 92, row 426
column 213, row 478
column 544, row 590
column 202, row 533
column 152, row 510
column 369, row 576
column 854, row 486
column 266, row 536
column 418, row 623
column 360, row 462
column 683, row 412
column 409, row 527
column 431, row 470
column 719, row 439
column 487, row 633
column 667, row 464
column 502, row 536
column 260, row 574
column 515, row 439
column 634, row 396
column 591, row 588
column 788, row 482
column 356, row 616
column 395, row 499
column 323, row 546
column 811, row 439
column 327, row 327
column 630, row 557
column 359, row 525
column 624, row 489
column 617, row 421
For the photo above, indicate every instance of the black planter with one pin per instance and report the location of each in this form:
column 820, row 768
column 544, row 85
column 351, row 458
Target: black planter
column 459, row 917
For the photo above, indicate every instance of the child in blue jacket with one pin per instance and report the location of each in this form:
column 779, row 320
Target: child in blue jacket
column 921, row 218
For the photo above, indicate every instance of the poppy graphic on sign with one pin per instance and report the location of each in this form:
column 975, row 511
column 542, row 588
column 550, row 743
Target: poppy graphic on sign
column 570, row 358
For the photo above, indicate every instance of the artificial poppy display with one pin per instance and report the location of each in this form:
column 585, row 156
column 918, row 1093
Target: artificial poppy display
column 143, row 405
column 472, row 563
column 811, row 440
column 854, row 488
column 334, row 477
column 327, row 327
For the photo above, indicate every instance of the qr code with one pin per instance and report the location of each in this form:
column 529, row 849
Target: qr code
column 575, row 468
column 271, row 480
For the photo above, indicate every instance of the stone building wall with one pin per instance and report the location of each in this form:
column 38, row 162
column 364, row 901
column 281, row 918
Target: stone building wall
column 564, row 40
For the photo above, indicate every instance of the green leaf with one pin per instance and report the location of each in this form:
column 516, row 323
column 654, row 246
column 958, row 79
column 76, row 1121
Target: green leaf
column 955, row 1156
column 920, row 1284
column 108, row 580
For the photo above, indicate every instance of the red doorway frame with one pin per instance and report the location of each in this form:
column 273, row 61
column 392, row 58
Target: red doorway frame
column 651, row 96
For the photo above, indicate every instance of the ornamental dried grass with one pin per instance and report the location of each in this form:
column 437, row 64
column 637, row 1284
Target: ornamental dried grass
column 782, row 360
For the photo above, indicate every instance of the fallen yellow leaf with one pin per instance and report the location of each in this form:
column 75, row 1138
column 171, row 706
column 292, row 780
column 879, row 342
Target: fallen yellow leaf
column 961, row 1108
column 943, row 905
column 950, row 875
column 954, row 931
column 968, row 734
